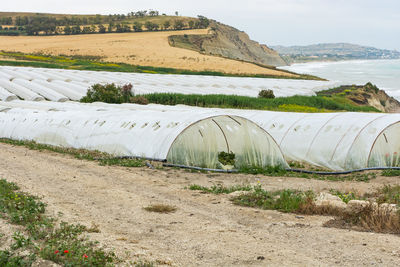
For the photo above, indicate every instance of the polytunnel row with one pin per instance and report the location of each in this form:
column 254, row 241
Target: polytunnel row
column 179, row 137
column 336, row 141
column 60, row 85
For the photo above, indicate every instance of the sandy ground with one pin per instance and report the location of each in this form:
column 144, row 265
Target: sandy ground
column 147, row 49
column 206, row 230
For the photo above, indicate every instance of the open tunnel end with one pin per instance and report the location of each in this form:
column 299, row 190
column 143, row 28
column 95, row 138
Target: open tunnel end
column 201, row 144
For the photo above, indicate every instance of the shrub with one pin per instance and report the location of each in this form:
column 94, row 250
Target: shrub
column 108, row 93
column 226, row 158
column 139, row 100
column 268, row 93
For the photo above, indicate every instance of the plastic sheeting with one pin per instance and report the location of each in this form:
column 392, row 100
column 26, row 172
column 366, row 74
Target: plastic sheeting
column 182, row 137
column 6, row 95
column 20, row 91
column 337, row 141
column 161, row 83
column 42, row 90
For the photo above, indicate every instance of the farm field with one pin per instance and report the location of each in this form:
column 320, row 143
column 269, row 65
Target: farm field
column 206, row 229
column 145, row 49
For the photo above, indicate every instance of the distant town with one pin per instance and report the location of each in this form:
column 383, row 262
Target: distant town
column 333, row 52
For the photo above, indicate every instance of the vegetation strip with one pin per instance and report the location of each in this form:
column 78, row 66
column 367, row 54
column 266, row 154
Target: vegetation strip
column 108, row 160
column 101, row 157
column 111, row 93
column 61, row 243
column 279, row 171
column 94, row 63
column 373, row 216
column 290, row 104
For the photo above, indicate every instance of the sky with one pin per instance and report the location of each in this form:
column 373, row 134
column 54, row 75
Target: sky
column 272, row 22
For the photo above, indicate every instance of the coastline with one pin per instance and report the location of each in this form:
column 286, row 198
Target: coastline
column 382, row 72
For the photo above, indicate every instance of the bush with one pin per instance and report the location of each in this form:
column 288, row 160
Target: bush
column 266, row 94
column 141, row 100
column 109, row 93
column 226, row 158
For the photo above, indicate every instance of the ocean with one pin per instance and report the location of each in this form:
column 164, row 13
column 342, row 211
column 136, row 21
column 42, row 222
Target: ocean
column 383, row 73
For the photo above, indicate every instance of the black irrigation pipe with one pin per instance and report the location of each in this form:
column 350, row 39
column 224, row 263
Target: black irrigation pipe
column 344, row 172
column 289, row 170
column 236, row 171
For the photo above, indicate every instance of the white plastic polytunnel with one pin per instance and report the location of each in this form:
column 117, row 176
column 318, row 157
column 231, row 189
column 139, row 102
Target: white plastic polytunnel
column 20, row 90
column 41, row 90
column 336, row 141
column 183, row 137
column 6, row 95
column 160, row 83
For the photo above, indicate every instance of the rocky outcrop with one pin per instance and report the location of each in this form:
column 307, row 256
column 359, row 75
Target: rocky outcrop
column 366, row 95
column 228, row 42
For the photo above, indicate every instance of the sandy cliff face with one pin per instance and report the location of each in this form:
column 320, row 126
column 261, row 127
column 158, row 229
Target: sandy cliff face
column 228, row 42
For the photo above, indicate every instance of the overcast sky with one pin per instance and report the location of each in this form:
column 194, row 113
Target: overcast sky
column 285, row 22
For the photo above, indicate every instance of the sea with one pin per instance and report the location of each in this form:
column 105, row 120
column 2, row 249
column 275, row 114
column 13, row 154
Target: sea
column 383, row 73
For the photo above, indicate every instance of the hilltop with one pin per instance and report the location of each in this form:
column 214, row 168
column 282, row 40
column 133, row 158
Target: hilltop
column 334, row 52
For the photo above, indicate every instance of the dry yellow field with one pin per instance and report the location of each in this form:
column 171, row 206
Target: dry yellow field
column 146, row 49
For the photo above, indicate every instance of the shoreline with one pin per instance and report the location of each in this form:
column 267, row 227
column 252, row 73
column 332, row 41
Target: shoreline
column 381, row 72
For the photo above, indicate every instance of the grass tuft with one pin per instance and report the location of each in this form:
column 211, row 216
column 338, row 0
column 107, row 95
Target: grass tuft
column 370, row 219
column 387, row 194
column 220, row 189
column 161, row 208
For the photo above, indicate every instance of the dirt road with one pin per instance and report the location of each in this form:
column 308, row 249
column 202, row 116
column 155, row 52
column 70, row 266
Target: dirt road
column 206, row 230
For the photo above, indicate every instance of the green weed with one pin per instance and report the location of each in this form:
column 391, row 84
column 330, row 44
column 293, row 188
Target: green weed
column 10, row 259
column 226, row 158
column 124, row 162
column 64, row 244
column 220, row 189
column 91, row 155
column 282, row 200
column 388, row 194
column 344, row 196
column 391, row 172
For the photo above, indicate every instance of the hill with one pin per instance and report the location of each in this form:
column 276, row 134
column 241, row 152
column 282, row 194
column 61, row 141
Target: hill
column 228, row 42
column 143, row 49
column 333, row 51
column 145, row 41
